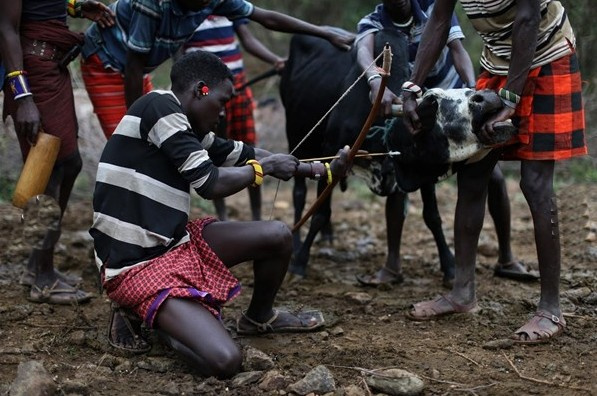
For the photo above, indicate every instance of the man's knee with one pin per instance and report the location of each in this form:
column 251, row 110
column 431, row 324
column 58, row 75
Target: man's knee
column 226, row 361
column 279, row 236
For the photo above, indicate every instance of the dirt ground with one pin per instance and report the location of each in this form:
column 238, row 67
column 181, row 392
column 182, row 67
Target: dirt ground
column 366, row 331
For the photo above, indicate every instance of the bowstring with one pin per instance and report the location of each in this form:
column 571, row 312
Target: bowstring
column 321, row 120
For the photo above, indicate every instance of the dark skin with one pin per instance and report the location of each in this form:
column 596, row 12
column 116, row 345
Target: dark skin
column 400, row 12
column 253, row 46
column 267, row 243
column 536, row 176
column 136, row 62
column 27, row 121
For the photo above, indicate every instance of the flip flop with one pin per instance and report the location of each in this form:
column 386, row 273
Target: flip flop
column 58, row 295
column 429, row 310
column 394, row 278
column 309, row 321
column 543, row 335
column 514, row 270
column 132, row 323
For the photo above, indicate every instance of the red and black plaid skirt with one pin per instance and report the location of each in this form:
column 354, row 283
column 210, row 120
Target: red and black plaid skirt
column 239, row 113
column 191, row 270
column 550, row 116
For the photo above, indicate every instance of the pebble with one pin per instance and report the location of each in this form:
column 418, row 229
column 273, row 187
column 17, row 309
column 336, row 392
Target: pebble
column 256, row 360
column 32, row 380
column 319, row 380
column 395, row 382
column 502, row 343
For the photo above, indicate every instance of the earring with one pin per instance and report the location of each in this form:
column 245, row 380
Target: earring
column 201, row 89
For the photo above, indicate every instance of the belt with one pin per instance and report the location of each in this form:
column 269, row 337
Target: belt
column 43, row 49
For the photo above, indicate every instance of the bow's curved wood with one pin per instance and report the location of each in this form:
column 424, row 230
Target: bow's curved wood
column 373, row 114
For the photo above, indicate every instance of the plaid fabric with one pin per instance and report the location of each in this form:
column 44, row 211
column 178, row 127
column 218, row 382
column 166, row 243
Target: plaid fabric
column 191, row 270
column 239, row 113
column 106, row 91
column 550, row 116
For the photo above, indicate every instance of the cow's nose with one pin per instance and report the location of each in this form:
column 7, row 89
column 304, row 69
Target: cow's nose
column 487, row 99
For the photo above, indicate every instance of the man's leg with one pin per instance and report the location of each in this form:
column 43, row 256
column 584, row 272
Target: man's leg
column 269, row 245
column 470, row 212
column 196, row 334
column 537, row 186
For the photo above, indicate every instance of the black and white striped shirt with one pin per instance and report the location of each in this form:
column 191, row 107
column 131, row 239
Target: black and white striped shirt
column 142, row 192
column 494, row 19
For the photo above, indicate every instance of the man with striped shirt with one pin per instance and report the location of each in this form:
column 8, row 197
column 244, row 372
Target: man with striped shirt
column 172, row 273
column 529, row 57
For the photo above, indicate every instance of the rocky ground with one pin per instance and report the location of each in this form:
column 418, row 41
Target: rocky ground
column 64, row 348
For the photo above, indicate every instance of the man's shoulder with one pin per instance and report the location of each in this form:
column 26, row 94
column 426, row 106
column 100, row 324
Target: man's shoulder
column 156, row 103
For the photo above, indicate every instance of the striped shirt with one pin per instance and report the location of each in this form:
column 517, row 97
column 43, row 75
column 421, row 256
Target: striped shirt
column 494, row 19
column 157, row 28
column 142, row 191
column 218, row 36
column 444, row 74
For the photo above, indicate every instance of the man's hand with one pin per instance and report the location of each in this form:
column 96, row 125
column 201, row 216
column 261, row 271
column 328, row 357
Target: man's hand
column 280, row 166
column 487, row 130
column 342, row 40
column 97, row 12
column 410, row 117
column 340, row 166
column 27, row 119
column 280, row 64
column 387, row 99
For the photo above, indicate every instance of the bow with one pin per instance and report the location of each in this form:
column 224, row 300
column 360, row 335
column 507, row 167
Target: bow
column 387, row 62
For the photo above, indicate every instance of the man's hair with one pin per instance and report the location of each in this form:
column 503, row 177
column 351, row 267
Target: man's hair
column 198, row 66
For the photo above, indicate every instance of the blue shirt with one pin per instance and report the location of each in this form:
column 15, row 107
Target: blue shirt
column 157, row 28
column 444, row 74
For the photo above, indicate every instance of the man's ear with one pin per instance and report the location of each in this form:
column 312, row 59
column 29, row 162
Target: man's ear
column 201, row 89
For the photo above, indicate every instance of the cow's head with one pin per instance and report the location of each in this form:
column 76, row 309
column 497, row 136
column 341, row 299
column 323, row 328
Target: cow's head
column 451, row 121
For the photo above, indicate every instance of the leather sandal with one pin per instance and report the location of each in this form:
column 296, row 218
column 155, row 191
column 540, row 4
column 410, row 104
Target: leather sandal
column 542, row 334
column 133, row 325
column 58, row 295
column 28, row 278
column 308, row 321
column 430, row 310
column 393, row 278
column 514, row 270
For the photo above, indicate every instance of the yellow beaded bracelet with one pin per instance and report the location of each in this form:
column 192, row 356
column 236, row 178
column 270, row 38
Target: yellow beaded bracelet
column 258, row 172
column 328, row 168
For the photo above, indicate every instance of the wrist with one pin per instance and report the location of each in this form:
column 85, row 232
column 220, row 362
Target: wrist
column 73, row 8
column 410, row 87
column 18, row 84
column 258, row 171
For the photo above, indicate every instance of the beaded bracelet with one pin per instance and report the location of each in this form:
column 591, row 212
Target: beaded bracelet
column 258, row 172
column 328, row 168
column 73, row 8
column 18, row 84
column 509, row 96
column 413, row 88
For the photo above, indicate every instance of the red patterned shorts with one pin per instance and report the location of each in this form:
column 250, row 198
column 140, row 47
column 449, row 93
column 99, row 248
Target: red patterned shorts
column 191, row 270
column 550, row 116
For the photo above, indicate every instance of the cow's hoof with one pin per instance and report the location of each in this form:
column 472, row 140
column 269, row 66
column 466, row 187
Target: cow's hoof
column 292, row 279
column 297, row 270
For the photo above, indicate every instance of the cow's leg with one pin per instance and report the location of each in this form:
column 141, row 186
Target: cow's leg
column 318, row 221
column 433, row 221
column 299, row 196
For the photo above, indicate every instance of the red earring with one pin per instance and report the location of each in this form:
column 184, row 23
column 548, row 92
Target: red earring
column 202, row 89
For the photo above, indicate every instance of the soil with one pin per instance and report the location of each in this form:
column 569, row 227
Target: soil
column 366, row 327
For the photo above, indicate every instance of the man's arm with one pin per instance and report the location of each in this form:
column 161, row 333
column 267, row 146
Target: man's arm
column 524, row 42
column 462, row 62
column 283, row 23
column 253, row 46
column 27, row 120
column 432, row 42
column 365, row 48
column 133, row 76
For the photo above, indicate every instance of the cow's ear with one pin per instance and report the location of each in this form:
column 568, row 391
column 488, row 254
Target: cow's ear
column 427, row 111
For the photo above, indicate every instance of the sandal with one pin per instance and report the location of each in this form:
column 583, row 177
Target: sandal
column 59, row 293
column 429, row 310
column 392, row 278
column 133, row 325
column 28, row 278
column 308, row 321
column 532, row 327
column 514, row 270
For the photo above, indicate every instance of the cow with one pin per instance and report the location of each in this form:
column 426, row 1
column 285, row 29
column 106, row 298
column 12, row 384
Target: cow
column 315, row 76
